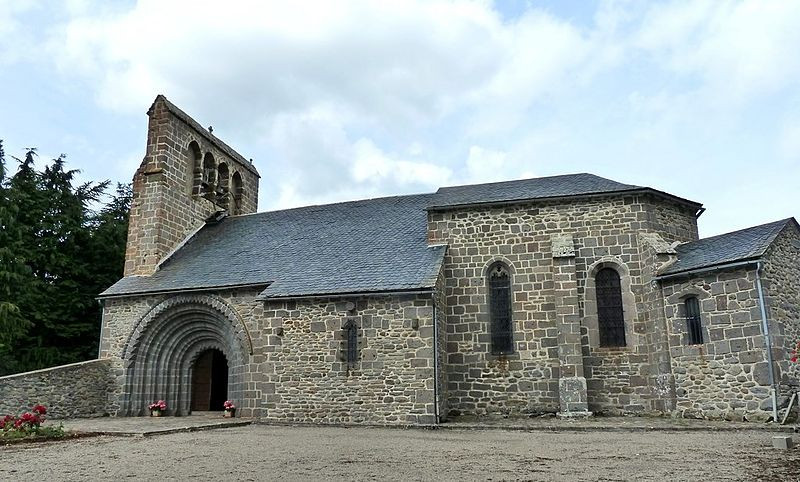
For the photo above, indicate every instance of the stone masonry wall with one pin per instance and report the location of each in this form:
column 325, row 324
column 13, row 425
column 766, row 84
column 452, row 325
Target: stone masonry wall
column 296, row 372
column 672, row 221
column 121, row 315
column 306, row 379
column 781, row 281
column 163, row 210
column 68, row 391
column 728, row 375
column 604, row 230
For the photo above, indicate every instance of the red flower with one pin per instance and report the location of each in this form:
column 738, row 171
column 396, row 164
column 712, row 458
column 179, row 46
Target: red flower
column 40, row 409
column 28, row 421
column 7, row 422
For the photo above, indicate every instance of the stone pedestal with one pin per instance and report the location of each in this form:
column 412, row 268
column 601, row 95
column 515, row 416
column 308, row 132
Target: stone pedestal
column 572, row 397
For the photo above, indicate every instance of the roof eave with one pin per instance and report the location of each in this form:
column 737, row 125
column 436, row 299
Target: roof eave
column 130, row 294
column 709, row 268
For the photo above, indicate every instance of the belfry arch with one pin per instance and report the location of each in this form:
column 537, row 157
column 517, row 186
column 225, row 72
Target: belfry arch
column 163, row 350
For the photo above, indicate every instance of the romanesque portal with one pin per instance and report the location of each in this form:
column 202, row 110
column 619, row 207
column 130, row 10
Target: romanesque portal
column 189, row 351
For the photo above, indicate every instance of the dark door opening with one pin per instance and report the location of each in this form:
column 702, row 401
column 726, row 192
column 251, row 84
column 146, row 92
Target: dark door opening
column 210, row 381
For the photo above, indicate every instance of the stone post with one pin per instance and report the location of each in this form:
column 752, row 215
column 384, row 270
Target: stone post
column 573, row 400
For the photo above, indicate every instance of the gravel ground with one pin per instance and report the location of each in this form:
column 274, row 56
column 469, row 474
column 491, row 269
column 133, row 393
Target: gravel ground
column 260, row 452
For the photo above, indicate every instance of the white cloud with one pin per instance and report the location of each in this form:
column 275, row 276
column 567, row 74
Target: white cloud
column 372, row 164
column 18, row 41
column 738, row 48
column 340, row 100
column 789, row 141
column 485, row 165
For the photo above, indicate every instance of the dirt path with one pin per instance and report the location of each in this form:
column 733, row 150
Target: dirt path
column 304, row 453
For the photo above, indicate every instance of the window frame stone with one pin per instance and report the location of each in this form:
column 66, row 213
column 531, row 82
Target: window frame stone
column 629, row 311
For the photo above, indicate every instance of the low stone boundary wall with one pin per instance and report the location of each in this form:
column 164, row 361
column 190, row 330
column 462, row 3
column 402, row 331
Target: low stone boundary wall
column 68, row 391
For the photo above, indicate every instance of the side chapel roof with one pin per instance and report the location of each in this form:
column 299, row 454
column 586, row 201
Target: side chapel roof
column 742, row 245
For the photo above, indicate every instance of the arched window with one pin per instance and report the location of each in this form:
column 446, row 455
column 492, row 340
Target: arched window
column 209, row 174
column 499, row 286
column 610, row 318
column 194, row 168
column 223, row 188
column 237, row 190
column 693, row 326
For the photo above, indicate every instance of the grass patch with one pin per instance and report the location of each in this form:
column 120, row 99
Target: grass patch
column 37, row 434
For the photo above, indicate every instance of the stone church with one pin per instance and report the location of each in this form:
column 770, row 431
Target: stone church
column 570, row 294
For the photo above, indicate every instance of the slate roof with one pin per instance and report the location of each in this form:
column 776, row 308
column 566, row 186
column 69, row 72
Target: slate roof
column 375, row 245
column 369, row 246
column 743, row 245
column 537, row 188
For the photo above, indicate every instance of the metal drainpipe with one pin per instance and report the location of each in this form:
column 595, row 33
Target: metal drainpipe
column 435, row 361
column 102, row 327
column 765, row 326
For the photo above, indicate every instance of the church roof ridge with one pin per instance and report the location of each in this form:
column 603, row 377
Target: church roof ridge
column 548, row 187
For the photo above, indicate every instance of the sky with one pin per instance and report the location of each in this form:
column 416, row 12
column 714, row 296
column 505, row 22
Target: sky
column 343, row 100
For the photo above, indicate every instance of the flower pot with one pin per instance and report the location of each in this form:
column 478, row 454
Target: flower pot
column 155, row 413
column 230, row 413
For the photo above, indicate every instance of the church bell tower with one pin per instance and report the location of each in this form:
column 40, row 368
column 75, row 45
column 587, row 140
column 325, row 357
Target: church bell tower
column 187, row 177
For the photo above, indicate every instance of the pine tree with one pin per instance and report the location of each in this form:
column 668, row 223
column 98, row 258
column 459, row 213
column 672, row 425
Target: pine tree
column 70, row 253
column 12, row 274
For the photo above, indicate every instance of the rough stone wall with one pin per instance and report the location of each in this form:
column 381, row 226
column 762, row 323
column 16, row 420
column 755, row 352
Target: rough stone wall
column 164, row 210
column 656, row 253
column 441, row 345
column 781, row 282
column 122, row 315
column 68, row 391
column 603, row 229
column 728, row 375
column 296, row 372
column 673, row 221
column 307, row 381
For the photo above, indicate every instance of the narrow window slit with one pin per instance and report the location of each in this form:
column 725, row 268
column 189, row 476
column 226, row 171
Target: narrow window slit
column 693, row 324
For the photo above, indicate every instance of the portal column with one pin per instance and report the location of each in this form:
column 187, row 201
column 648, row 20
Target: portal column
column 572, row 394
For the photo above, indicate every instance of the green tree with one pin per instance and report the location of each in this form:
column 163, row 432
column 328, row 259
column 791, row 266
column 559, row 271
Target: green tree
column 13, row 272
column 71, row 253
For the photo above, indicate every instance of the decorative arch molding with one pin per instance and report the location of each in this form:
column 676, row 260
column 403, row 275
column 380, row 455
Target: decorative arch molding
column 498, row 259
column 212, row 301
column 160, row 354
column 628, row 302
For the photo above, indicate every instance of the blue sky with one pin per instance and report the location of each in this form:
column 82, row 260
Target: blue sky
column 345, row 100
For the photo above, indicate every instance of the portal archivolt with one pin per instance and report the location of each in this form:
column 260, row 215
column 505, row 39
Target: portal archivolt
column 165, row 346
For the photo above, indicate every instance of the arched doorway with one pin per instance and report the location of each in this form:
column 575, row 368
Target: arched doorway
column 168, row 348
column 209, row 381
